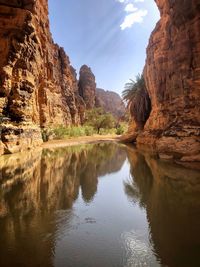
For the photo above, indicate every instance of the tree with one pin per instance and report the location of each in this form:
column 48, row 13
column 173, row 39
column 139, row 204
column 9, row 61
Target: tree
column 98, row 119
column 138, row 101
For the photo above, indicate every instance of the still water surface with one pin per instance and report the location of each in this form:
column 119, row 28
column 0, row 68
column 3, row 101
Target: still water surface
column 103, row 205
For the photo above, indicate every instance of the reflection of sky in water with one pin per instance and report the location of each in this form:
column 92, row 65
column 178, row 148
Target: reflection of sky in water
column 138, row 251
column 112, row 230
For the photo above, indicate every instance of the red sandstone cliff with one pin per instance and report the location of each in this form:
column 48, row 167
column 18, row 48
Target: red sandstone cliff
column 96, row 97
column 87, row 86
column 172, row 75
column 111, row 102
column 38, row 86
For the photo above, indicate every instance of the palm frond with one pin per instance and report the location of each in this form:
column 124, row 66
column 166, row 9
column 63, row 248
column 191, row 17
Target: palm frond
column 137, row 98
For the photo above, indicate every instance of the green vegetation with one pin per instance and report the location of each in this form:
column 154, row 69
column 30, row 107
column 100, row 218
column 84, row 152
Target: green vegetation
column 122, row 128
column 96, row 122
column 137, row 98
column 98, row 119
column 62, row 132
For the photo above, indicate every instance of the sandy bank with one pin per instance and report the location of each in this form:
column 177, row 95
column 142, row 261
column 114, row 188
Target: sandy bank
column 80, row 141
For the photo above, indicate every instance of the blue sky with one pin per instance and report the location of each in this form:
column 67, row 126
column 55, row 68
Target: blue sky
column 110, row 36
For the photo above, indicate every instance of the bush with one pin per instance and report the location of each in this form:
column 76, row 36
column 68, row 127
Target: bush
column 89, row 130
column 46, row 134
column 60, row 132
column 121, row 129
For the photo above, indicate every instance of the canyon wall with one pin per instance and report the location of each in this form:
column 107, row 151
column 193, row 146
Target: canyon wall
column 110, row 102
column 38, row 86
column 172, row 75
column 99, row 98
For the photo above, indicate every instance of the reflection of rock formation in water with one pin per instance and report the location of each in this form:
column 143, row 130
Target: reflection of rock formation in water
column 51, row 179
column 34, row 185
column 170, row 195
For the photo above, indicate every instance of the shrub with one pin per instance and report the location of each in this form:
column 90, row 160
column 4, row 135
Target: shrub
column 120, row 130
column 46, row 134
column 61, row 132
column 89, row 130
column 76, row 131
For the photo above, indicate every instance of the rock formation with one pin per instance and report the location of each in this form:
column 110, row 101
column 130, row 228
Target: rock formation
column 95, row 97
column 110, row 102
column 87, row 86
column 172, row 74
column 38, row 86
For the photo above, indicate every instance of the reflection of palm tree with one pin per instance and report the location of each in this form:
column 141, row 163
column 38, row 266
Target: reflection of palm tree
column 132, row 190
column 137, row 98
column 139, row 187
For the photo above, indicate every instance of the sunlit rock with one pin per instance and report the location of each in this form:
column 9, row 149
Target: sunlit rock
column 173, row 79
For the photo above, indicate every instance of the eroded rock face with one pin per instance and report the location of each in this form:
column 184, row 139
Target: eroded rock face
column 37, row 83
column 172, row 75
column 110, row 102
column 87, row 86
column 95, row 97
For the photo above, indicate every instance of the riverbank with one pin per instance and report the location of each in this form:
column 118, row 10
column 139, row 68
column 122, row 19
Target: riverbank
column 81, row 140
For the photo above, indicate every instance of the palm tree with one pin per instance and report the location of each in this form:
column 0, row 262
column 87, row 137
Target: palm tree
column 138, row 101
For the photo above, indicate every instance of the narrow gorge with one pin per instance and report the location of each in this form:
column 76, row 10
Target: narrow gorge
column 39, row 87
column 89, row 178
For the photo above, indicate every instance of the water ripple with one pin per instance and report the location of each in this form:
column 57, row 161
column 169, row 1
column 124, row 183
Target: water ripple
column 138, row 252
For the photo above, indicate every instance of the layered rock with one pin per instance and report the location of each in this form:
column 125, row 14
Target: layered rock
column 95, row 97
column 172, row 75
column 38, row 86
column 87, row 86
column 111, row 102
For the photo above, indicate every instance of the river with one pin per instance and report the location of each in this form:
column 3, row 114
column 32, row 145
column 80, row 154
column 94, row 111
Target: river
column 98, row 205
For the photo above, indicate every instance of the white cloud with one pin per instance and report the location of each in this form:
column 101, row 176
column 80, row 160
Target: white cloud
column 135, row 17
column 130, row 8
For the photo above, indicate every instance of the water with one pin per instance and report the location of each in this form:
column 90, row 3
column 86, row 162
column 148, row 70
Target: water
column 103, row 205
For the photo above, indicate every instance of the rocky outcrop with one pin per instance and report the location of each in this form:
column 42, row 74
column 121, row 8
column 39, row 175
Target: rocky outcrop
column 95, row 97
column 87, row 86
column 111, row 102
column 38, row 85
column 172, row 74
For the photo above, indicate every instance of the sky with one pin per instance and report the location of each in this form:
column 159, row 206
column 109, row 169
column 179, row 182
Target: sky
column 110, row 36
